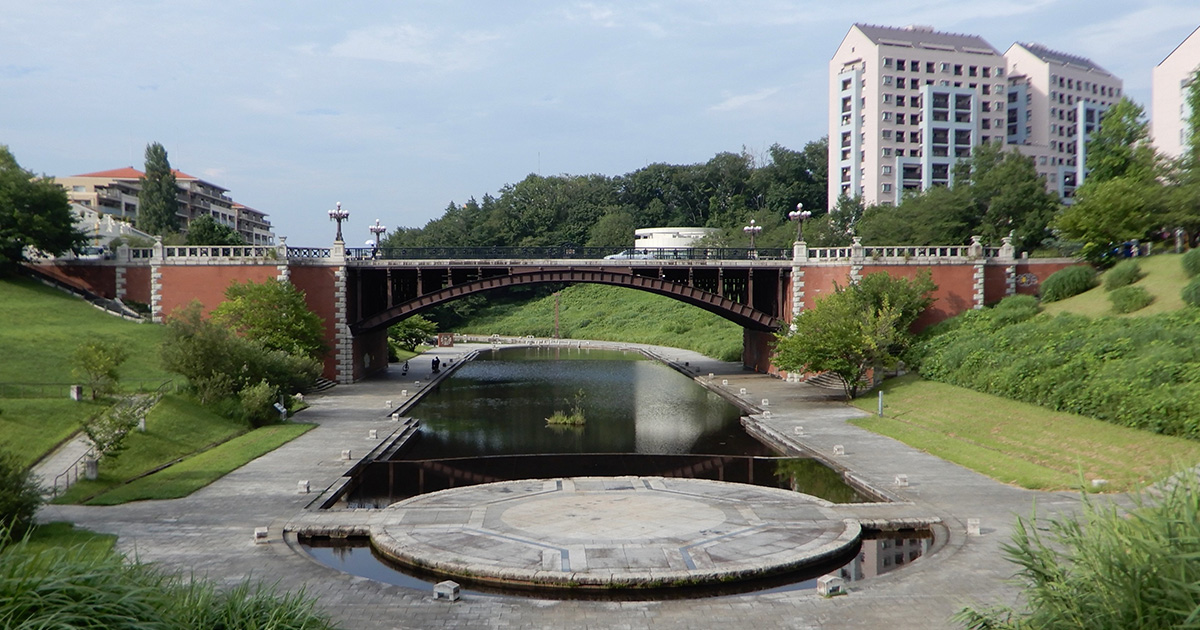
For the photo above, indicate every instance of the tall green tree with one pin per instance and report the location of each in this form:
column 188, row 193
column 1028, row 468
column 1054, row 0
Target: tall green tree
column 1007, row 196
column 34, row 213
column 938, row 216
column 99, row 362
column 206, row 230
column 1121, row 146
column 274, row 314
column 1113, row 211
column 157, row 199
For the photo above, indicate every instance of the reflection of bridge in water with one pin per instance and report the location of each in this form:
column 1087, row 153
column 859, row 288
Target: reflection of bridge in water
column 360, row 292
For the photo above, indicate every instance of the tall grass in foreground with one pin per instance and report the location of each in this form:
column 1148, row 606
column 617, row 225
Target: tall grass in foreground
column 75, row 588
column 1109, row 569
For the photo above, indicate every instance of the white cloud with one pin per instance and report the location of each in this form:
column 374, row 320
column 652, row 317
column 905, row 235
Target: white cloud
column 739, row 101
column 413, row 45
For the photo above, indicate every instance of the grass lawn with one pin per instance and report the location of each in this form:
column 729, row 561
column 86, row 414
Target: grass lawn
column 1019, row 443
column 175, row 428
column 591, row 311
column 32, row 427
column 1164, row 280
column 204, row 468
column 64, row 535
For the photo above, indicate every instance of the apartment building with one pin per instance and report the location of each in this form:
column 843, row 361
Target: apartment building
column 115, row 192
column 906, row 104
column 1055, row 101
column 1169, row 109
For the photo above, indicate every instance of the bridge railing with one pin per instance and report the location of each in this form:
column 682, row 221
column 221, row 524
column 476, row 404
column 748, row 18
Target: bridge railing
column 567, row 252
column 906, row 252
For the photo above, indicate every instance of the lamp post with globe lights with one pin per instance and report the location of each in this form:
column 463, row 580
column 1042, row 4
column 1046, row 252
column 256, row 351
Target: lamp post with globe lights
column 753, row 231
column 378, row 231
column 339, row 215
column 799, row 215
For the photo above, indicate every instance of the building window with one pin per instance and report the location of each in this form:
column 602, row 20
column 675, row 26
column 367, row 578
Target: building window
column 887, row 116
column 887, row 99
column 928, row 67
column 899, row 138
column 887, row 79
column 887, row 152
column 887, row 188
column 987, row 71
column 973, row 71
column 958, row 70
column 900, row 101
column 900, row 82
column 899, row 119
column 887, row 62
column 886, row 134
column 886, row 170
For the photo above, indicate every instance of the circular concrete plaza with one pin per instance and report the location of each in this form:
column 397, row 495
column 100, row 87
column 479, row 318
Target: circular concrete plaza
column 609, row 532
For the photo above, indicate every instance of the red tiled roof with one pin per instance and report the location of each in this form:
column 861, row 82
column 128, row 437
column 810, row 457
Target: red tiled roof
column 129, row 172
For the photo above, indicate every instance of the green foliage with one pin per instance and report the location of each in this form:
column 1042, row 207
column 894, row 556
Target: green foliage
column 76, row 587
column 1108, row 568
column 1113, row 211
column 856, row 329
column 99, row 362
column 1067, row 282
column 1139, row 372
column 1122, row 274
column 34, row 213
column 274, row 314
column 1129, row 299
column 20, row 498
column 205, row 230
column 219, row 364
column 1191, row 262
column 940, row 215
column 408, row 333
column 107, row 430
column 157, row 202
column 1121, row 147
column 1015, row 309
column 258, row 403
column 1191, row 293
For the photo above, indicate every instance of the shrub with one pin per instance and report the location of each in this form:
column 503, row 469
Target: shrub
column 1191, row 263
column 1014, row 310
column 1122, row 274
column 258, row 404
column 1191, row 292
column 1129, row 299
column 20, row 498
column 1068, row 282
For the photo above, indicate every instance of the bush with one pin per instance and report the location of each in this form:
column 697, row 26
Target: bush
column 1129, row 299
column 1068, row 282
column 1191, row 292
column 1191, row 263
column 1122, row 274
column 1014, row 309
column 20, row 498
column 258, row 404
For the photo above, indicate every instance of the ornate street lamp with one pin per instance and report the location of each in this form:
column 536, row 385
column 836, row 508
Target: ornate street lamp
column 378, row 231
column 799, row 215
column 752, row 230
column 339, row 215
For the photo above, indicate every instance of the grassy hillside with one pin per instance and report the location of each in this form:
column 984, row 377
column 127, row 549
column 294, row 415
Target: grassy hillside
column 1164, row 280
column 591, row 311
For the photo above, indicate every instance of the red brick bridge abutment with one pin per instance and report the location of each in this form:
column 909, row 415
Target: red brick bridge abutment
column 359, row 293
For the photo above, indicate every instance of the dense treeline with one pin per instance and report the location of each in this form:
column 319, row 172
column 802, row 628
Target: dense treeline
column 602, row 211
column 1139, row 372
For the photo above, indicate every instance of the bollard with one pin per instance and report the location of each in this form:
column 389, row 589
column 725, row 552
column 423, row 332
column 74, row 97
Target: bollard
column 766, row 414
column 902, row 481
column 396, row 417
column 838, row 449
column 724, row 381
column 303, row 487
column 373, row 434
column 742, row 391
column 830, row 585
column 260, row 535
column 881, row 403
column 446, row 590
column 766, row 403
column 404, row 393
column 387, row 403
column 798, row 430
column 346, row 455
column 972, row 527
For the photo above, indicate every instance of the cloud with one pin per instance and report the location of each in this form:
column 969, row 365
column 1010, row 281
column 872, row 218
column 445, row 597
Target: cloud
column 409, row 44
column 739, row 101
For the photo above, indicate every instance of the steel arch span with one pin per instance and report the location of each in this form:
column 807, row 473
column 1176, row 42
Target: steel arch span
column 737, row 312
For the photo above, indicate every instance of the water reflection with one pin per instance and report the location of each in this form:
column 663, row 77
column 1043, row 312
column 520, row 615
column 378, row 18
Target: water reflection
column 498, row 405
column 355, row 556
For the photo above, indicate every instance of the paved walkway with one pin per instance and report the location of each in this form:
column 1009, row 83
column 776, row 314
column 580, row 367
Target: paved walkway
column 210, row 533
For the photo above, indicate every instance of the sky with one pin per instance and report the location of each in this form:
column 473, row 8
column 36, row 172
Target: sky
column 398, row 108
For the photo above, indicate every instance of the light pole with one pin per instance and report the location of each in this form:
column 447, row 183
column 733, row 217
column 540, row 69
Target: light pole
column 378, row 231
column 339, row 215
column 752, row 230
column 799, row 215
column 556, row 314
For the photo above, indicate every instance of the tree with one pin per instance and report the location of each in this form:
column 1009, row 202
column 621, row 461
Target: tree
column 1113, row 211
column 411, row 332
column 615, row 229
column 938, row 216
column 274, row 314
column 206, row 231
column 1121, row 146
column 1007, row 196
column 855, row 330
column 157, row 199
column 99, row 362
column 34, row 214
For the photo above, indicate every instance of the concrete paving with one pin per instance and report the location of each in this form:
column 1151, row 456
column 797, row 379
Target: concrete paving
column 211, row 532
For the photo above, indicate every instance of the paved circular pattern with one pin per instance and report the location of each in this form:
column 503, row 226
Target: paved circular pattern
column 605, row 515
column 612, row 532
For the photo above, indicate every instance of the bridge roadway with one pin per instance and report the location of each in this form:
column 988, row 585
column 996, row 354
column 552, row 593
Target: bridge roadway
column 209, row 533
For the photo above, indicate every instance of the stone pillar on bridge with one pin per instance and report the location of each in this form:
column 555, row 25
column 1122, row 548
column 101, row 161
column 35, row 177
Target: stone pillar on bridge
column 343, row 345
column 285, row 272
column 857, row 254
column 157, row 259
column 799, row 261
column 1008, row 254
